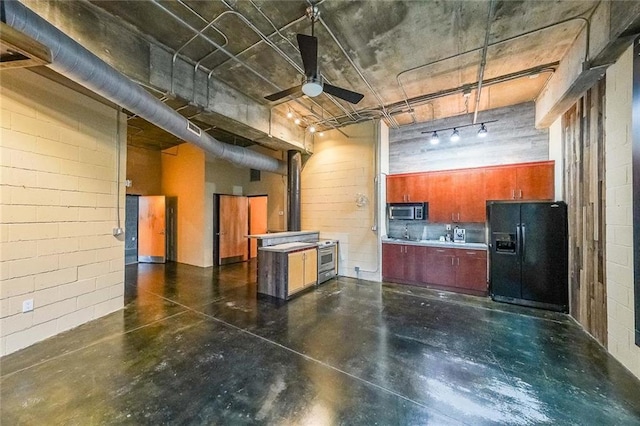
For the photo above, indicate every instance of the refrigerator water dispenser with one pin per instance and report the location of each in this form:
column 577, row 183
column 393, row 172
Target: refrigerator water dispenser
column 504, row 242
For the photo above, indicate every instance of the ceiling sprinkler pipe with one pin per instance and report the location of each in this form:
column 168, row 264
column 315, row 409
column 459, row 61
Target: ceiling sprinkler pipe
column 77, row 63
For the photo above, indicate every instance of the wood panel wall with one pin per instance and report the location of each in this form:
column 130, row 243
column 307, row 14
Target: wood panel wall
column 583, row 140
column 635, row 117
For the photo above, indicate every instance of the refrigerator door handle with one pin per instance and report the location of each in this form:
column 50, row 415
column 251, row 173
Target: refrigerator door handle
column 518, row 242
column 523, row 233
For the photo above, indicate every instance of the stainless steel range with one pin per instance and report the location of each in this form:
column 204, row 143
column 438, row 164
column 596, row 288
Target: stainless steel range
column 327, row 260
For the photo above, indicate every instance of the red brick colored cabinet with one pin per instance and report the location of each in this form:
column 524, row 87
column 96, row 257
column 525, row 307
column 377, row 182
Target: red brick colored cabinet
column 471, row 270
column 403, row 263
column 529, row 181
column 411, row 188
column 535, row 181
column 441, row 192
column 393, row 258
column 440, row 267
column 500, row 183
column 457, row 196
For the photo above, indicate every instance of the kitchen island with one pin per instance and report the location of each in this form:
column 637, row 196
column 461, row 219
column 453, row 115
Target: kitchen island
column 287, row 262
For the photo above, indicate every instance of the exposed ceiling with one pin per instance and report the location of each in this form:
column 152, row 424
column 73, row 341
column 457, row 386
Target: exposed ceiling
column 413, row 60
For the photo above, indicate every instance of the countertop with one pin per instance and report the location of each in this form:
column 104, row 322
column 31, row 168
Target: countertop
column 436, row 243
column 289, row 247
column 282, row 234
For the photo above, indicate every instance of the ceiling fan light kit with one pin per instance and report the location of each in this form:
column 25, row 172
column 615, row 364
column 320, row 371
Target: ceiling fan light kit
column 313, row 84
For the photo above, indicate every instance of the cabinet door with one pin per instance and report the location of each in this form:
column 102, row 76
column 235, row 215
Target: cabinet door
column 414, row 260
column 295, row 270
column 535, row 182
column 392, row 262
column 440, row 197
column 469, row 196
column 417, row 188
column 310, row 267
column 471, row 270
column 500, row 183
column 396, row 189
column 440, row 269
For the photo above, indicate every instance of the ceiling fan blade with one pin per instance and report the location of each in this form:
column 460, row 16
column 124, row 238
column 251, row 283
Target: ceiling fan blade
column 341, row 93
column 309, row 51
column 290, row 91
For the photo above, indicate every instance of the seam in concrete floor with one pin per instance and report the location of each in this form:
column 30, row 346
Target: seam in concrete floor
column 305, row 356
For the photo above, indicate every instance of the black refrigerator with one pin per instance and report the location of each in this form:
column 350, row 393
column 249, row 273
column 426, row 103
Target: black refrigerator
column 528, row 254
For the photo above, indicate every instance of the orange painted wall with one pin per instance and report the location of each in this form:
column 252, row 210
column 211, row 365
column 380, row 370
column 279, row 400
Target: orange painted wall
column 183, row 176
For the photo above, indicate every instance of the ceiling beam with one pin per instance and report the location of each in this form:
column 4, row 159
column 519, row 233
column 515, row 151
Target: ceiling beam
column 612, row 29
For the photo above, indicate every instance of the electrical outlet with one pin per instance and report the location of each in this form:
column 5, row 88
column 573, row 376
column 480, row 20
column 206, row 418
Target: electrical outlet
column 447, row 227
column 357, row 269
column 27, row 305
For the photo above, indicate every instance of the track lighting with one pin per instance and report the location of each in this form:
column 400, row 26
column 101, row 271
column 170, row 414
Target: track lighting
column 289, row 114
column 312, row 129
column 321, row 133
column 296, row 121
column 434, row 138
column 455, row 136
column 482, row 133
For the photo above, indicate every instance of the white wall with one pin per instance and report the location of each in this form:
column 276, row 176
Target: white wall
column 619, row 215
column 58, row 201
column 556, row 154
column 340, row 169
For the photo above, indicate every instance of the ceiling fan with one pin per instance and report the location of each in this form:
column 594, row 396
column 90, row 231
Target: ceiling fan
column 313, row 83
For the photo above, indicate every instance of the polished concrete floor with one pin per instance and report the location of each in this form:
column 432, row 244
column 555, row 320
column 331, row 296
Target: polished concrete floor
column 195, row 346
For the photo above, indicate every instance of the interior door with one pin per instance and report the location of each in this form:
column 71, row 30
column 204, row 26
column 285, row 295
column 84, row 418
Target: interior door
column 257, row 221
column 152, row 229
column 233, row 213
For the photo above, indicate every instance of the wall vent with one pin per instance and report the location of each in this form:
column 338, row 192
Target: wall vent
column 193, row 128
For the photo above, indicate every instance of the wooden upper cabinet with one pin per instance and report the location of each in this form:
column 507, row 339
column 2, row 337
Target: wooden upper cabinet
column 457, row 196
column 535, row 181
column 469, row 195
column 500, row 183
column 407, row 188
column 441, row 196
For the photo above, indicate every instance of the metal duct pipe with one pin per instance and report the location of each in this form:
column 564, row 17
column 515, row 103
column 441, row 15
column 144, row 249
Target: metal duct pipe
column 77, row 63
column 293, row 190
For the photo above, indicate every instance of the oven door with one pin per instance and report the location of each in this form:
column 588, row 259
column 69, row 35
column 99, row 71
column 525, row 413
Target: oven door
column 326, row 258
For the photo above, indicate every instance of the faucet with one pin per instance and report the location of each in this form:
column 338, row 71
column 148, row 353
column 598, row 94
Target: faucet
column 405, row 235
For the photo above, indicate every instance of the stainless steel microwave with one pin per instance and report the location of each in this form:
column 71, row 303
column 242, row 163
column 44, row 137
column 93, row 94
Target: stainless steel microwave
column 413, row 211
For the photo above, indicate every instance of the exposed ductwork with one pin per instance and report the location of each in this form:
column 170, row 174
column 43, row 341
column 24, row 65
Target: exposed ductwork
column 78, row 64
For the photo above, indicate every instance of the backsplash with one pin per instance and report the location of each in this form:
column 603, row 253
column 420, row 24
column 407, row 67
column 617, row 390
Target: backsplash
column 475, row 232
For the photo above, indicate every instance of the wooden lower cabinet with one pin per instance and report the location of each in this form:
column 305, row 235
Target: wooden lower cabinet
column 403, row 263
column 449, row 268
column 282, row 274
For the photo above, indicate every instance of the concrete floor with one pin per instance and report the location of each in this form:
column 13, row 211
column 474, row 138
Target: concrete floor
column 195, row 346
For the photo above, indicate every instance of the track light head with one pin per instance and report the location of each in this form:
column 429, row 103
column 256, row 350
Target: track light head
column 434, row 138
column 455, row 136
column 482, row 133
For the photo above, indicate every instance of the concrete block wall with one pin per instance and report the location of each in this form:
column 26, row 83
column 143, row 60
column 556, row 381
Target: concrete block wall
column 58, row 187
column 341, row 169
column 619, row 215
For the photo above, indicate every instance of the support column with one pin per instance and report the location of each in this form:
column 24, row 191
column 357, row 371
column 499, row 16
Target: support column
column 294, row 168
